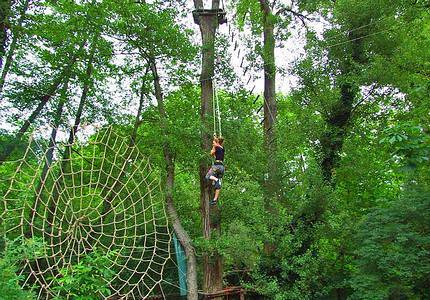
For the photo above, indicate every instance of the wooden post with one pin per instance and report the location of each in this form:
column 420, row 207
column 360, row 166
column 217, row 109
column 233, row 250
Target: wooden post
column 208, row 21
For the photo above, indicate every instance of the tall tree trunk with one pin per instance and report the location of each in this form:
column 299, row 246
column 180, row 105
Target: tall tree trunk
column 212, row 265
column 340, row 114
column 65, row 73
column 338, row 122
column 5, row 7
column 270, row 107
column 183, row 236
column 48, row 159
column 272, row 186
column 333, row 138
column 9, row 57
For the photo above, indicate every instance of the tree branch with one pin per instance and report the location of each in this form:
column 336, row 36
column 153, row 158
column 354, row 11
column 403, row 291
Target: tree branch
column 372, row 89
column 295, row 14
column 265, row 6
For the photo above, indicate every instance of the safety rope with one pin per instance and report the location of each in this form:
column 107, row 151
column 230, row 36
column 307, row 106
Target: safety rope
column 213, row 105
column 216, row 110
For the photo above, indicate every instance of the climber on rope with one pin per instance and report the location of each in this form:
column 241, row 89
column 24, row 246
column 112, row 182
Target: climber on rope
column 216, row 172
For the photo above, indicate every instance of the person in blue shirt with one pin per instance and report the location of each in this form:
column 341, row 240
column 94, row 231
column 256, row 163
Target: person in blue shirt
column 216, row 172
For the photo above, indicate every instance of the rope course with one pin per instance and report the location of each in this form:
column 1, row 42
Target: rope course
column 241, row 57
column 98, row 193
column 343, row 33
column 357, row 38
column 245, row 67
column 106, row 198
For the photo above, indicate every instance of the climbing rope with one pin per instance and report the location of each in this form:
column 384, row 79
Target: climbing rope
column 216, row 110
column 62, row 204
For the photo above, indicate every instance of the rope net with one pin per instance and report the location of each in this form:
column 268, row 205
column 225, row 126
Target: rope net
column 97, row 193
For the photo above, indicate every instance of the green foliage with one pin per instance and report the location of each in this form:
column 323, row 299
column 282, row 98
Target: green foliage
column 392, row 248
column 15, row 252
column 88, row 279
column 250, row 10
column 363, row 236
column 408, row 142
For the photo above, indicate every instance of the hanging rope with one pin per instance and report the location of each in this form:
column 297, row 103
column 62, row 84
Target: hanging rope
column 216, row 111
column 213, row 106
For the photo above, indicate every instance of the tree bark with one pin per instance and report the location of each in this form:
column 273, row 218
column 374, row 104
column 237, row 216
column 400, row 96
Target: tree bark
column 270, row 107
column 183, row 236
column 340, row 115
column 333, row 138
column 9, row 57
column 212, row 265
column 198, row 4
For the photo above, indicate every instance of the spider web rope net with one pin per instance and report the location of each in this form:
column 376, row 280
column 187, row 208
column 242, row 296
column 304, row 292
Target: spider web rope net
column 95, row 193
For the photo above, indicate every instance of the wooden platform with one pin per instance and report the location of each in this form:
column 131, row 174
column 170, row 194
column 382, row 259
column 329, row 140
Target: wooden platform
column 221, row 15
column 226, row 292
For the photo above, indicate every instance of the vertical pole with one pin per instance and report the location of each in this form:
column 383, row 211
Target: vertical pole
column 182, row 266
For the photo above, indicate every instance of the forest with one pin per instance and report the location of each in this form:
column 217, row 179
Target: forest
column 110, row 115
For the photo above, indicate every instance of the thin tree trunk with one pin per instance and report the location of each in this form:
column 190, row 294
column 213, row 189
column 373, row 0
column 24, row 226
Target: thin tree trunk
column 272, row 186
column 9, row 57
column 48, row 159
column 183, row 236
column 138, row 120
column 32, row 230
column 42, row 102
column 72, row 133
column 84, row 95
column 212, row 265
column 5, row 7
column 107, row 202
